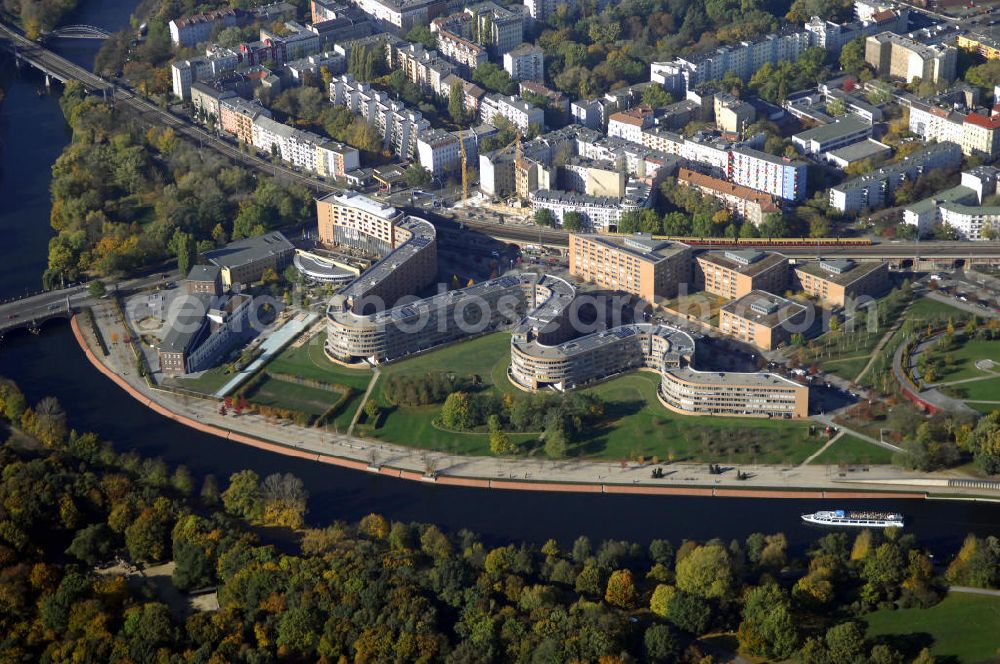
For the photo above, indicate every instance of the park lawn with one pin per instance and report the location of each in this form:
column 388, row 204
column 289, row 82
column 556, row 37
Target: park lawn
column 978, row 390
column 966, row 355
column 853, row 450
column 487, row 356
column 309, row 361
column 284, row 394
column 963, row 627
column 929, row 309
column 984, row 408
column 848, row 369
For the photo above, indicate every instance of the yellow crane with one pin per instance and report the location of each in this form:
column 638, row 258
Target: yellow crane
column 465, row 166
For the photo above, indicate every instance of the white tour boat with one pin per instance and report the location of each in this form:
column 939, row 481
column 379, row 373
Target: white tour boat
column 859, row 519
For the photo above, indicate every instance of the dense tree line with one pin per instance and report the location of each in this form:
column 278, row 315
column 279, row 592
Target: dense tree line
column 380, row 590
column 432, row 387
column 125, row 196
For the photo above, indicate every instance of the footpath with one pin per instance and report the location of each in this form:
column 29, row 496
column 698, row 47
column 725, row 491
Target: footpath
column 593, row 476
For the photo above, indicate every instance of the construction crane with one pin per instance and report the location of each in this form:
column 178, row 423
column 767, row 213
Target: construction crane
column 465, row 166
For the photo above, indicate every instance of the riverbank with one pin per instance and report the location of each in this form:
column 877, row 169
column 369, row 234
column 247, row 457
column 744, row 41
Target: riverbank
column 801, row 482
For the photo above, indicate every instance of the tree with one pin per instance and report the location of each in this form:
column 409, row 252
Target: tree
column 846, row 643
column 767, row 629
column 573, row 221
column 656, row 96
column 96, row 288
column 418, row 176
column 210, row 491
column 284, row 498
column 456, row 413
column 500, row 442
column 705, row 572
column 242, row 497
column 372, row 411
column 659, row 602
column 456, row 103
column 423, row 35
column 621, row 589
column 689, row 613
column 556, row 441
column 183, row 246
column 544, row 217
column 661, row 646
column 148, row 537
column 92, row 544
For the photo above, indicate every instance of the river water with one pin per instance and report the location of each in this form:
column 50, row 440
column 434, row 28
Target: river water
column 33, row 133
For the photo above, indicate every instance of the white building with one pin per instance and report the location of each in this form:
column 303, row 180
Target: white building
column 600, row 213
column 397, row 125
column 289, row 144
column 198, row 28
column 216, row 62
column 525, row 63
column 336, row 159
column 629, row 124
column 518, row 112
column 960, row 207
column 542, row 9
column 977, row 133
column 399, row 14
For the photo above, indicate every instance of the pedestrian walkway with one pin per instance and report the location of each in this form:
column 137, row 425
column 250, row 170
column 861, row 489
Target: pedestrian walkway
column 828, row 443
column 364, row 399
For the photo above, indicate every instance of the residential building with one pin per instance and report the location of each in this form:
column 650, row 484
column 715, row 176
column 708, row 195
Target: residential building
column 198, row 28
column 629, row 124
column 744, row 202
column 292, row 145
column 842, row 132
column 763, row 319
column 207, row 101
column 732, row 115
column 542, row 9
column 400, row 15
column 425, row 69
column 904, row 58
column 525, row 63
column 440, row 153
column 960, row 208
column 518, row 112
column 734, row 273
column 636, row 264
column 600, row 213
column 483, row 29
column 244, row 261
column 336, row 160
column 237, row 117
column 593, row 177
column 978, row 133
column 874, row 189
column 310, row 68
column 204, row 328
column 732, row 394
column 216, row 62
column 833, row 36
column 557, row 102
column 398, row 125
column 779, row 176
column 837, row 282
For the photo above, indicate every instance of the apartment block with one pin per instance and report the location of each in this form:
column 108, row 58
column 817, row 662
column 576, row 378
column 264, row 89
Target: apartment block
column 352, row 220
column 743, row 202
column 196, row 29
column 779, row 176
column 398, row 125
column 731, row 394
column 237, row 116
column 734, row 273
column 518, row 112
column 600, row 213
column 875, row 189
column 400, row 15
column 904, row 58
column 763, row 319
column 542, row 9
column 525, row 63
column 961, row 208
column 978, row 133
column 636, row 264
column 835, row 282
column 629, row 124
column 336, row 159
column 838, row 134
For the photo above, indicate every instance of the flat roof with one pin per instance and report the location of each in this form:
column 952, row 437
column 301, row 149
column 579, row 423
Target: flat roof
column 764, row 308
column 839, row 128
column 363, row 203
column 742, row 379
column 250, row 249
column 189, row 320
column 866, row 149
column 679, row 342
column 204, row 273
column 765, row 262
column 846, row 276
column 640, row 245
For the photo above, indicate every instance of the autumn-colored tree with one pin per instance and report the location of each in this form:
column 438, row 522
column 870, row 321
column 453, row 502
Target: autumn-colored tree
column 659, row 603
column 621, row 590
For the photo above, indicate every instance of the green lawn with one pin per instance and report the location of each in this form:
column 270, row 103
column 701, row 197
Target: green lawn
column 927, row 309
column 965, row 355
column 962, row 628
column 852, row 450
column 308, row 361
column 979, row 390
column 984, row 408
column 284, row 394
column 636, row 423
column 848, row 369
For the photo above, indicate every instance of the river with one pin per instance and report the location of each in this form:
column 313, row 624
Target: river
column 33, row 133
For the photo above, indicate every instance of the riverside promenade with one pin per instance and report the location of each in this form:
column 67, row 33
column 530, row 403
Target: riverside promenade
column 414, row 464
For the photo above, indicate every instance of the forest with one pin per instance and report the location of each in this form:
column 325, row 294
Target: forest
column 379, row 590
column 125, row 195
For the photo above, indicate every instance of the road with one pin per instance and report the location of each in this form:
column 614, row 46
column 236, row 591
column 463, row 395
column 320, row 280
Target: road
column 65, row 70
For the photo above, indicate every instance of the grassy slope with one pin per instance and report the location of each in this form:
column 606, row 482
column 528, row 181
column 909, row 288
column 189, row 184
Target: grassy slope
column 853, row 450
column 963, row 626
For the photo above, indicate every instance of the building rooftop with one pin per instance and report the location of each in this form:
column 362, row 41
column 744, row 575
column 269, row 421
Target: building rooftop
column 188, row 322
column 679, row 343
column 363, row 203
column 764, row 308
column 866, row 149
column 640, row 245
column 748, row 262
column 242, row 252
column 755, row 379
column 840, row 272
column 726, row 188
column 204, row 273
column 839, row 128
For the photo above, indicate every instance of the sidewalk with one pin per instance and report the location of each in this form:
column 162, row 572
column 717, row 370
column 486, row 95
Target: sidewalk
column 487, row 472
